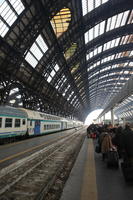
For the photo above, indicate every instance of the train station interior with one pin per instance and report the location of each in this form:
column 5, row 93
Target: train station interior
column 68, row 58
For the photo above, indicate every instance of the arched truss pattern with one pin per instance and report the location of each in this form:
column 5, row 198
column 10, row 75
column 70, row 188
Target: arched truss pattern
column 65, row 57
column 125, row 109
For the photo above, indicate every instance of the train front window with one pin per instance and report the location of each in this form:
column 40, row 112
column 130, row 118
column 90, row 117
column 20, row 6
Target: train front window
column 0, row 122
column 17, row 122
column 8, row 122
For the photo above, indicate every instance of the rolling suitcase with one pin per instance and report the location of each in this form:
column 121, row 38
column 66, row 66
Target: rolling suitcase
column 113, row 159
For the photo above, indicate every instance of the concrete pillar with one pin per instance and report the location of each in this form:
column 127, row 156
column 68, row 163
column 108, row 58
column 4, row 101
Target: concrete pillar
column 104, row 118
column 112, row 117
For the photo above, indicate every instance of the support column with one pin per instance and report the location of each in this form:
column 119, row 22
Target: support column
column 112, row 117
column 104, row 118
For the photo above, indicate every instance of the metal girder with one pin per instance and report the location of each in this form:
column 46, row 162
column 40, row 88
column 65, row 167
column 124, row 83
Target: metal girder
column 104, row 38
column 14, row 57
column 62, row 59
column 111, row 62
column 114, row 50
column 126, row 91
column 117, row 69
column 121, row 31
column 120, row 110
column 108, row 81
column 94, row 17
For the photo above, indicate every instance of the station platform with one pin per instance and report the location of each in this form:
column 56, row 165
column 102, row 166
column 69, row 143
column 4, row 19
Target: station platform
column 90, row 179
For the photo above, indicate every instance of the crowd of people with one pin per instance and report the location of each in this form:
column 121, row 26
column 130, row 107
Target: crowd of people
column 118, row 138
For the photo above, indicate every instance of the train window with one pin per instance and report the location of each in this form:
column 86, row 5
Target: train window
column 8, row 122
column 0, row 122
column 17, row 122
column 23, row 122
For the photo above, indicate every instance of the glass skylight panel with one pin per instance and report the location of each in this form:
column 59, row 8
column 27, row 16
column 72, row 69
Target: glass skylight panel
column 91, row 34
column 91, row 54
column 98, row 63
column 8, row 14
column 113, row 22
column 17, row 5
column 42, row 44
column 112, row 43
column 124, row 18
column 52, row 73
column 89, row 5
column 117, row 41
column 31, row 60
column 3, row 28
column 96, row 31
column 108, row 24
column 131, row 53
column 84, row 7
column 104, row 1
column 87, row 57
column 102, row 25
column 95, row 52
column 119, row 20
column 131, row 64
column 86, row 37
column 105, row 46
column 100, row 49
column 56, row 67
column 49, row 79
column 97, row 3
column 36, row 51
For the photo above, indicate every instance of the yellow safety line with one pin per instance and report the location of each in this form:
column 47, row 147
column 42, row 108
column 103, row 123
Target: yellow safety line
column 89, row 186
column 28, row 150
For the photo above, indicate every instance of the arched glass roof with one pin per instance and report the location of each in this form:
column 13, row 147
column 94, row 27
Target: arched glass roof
column 66, row 57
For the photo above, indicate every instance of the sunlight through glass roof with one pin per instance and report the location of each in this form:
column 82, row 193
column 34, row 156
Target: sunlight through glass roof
column 60, row 21
column 89, row 5
column 36, row 51
column 9, row 12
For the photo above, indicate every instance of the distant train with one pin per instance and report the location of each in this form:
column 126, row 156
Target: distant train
column 23, row 122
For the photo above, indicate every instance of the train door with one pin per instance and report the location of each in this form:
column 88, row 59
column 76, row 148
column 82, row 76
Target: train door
column 37, row 127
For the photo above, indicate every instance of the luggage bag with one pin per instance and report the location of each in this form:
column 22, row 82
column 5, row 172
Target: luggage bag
column 112, row 159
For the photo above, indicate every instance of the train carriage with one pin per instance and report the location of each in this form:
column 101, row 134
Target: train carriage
column 41, row 123
column 13, row 122
column 24, row 122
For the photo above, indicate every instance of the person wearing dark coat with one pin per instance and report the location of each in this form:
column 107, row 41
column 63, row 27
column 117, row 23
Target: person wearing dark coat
column 118, row 140
column 128, row 144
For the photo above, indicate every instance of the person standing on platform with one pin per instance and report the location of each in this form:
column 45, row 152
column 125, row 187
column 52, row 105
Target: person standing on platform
column 118, row 140
column 106, row 145
column 128, row 144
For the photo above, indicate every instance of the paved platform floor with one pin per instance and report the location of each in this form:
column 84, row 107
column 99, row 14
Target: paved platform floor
column 90, row 179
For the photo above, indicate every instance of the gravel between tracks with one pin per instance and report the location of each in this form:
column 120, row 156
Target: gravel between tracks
column 44, row 176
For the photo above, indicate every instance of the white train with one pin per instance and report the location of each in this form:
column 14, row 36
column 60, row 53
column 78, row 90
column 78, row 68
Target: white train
column 23, row 122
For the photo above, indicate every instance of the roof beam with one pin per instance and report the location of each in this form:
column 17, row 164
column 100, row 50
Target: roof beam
column 126, row 91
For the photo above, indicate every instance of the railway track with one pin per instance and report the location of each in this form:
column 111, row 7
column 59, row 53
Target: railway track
column 32, row 177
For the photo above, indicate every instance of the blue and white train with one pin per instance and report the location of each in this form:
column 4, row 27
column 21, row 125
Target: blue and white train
column 23, row 122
